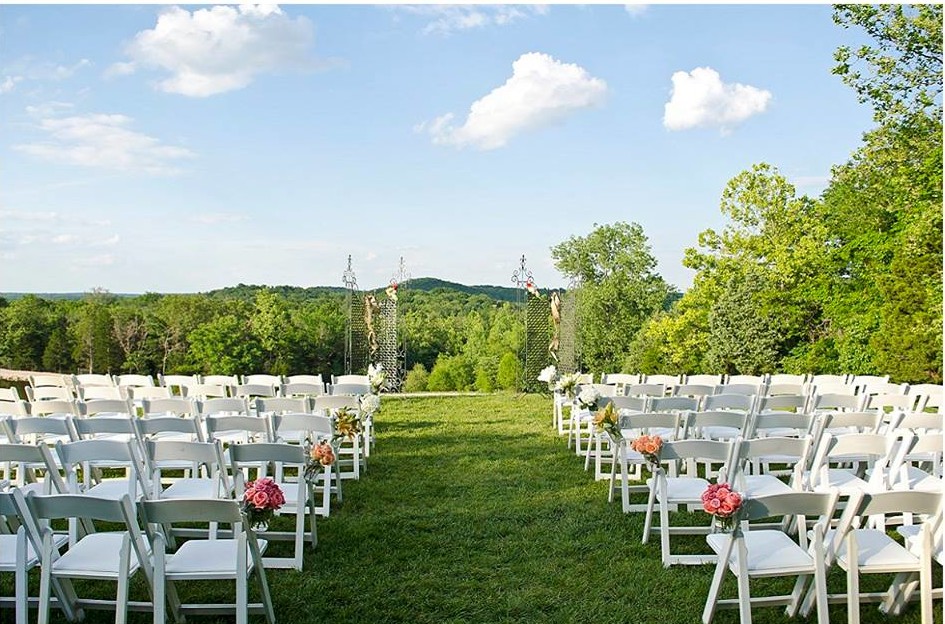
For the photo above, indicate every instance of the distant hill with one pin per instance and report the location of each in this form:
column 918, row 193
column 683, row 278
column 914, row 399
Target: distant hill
column 248, row 291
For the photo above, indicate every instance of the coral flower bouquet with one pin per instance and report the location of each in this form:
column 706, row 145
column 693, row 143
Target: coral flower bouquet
column 317, row 456
column 723, row 504
column 649, row 446
column 260, row 500
column 608, row 421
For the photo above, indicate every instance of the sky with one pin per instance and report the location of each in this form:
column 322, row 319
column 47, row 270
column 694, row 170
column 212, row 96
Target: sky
column 182, row 148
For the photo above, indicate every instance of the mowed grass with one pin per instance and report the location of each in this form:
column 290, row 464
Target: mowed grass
column 473, row 510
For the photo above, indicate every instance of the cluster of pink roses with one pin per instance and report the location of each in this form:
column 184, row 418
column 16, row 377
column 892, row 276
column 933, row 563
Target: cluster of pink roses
column 323, row 453
column 261, row 498
column 722, row 502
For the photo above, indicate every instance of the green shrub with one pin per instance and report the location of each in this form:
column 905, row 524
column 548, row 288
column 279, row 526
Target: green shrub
column 484, row 380
column 510, row 372
column 417, row 379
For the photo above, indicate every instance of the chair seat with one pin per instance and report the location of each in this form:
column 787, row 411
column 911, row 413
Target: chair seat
column 682, row 489
column 94, row 556
column 8, row 551
column 843, row 480
column 922, row 481
column 192, row 488
column 207, row 559
column 768, row 551
column 764, row 485
column 111, row 488
column 877, row 552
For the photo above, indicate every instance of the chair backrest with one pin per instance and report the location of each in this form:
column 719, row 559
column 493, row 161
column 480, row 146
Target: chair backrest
column 54, row 407
column 222, row 380
column 93, row 379
column 95, row 407
column 168, row 424
column 47, row 393
column 303, row 389
column 40, row 426
column 38, row 455
column 647, row 389
column 265, row 452
column 787, row 378
column 620, row 379
column 884, row 388
column 266, row 380
column 666, row 380
column 902, row 402
column 282, row 405
column 135, row 381
column 745, row 389
column 604, row 390
column 742, row 402
column 90, row 393
column 139, row 393
column 330, row 403
column 693, row 390
column 89, row 428
column 209, row 454
column 353, row 389
column 249, row 425
column 788, row 450
column 802, row 504
column 786, row 389
column 856, row 422
column 647, row 421
column 834, row 402
column 14, row 408
column 632, row 403
column 771, row 421
column 155, row 512
column 350, row 379
column 205, row 391
column 178, row 381
column 832, row 389
column 9, row 394
column 310, row 379
column 50, row 379
column 928, row 397
column 704, row 380
column 677, row 404
column 782, row 403
column 753, row 380
column 253, row 390
column 697, row 422
column 877, row 504
column 922, row 422
column 818, row 380
column 316, row 424
column 223, row 406
column 82, row 451
column 701, row 450
column 174, row 405
column 868, row 380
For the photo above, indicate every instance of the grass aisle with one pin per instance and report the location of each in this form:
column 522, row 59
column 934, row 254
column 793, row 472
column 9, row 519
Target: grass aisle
column 472, row 510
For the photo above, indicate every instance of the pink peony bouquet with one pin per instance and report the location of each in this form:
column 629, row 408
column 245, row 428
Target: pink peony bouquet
column 261, row 498
column 723, row 504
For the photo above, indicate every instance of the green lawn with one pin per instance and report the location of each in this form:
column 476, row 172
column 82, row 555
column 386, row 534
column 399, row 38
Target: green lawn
column 473, row 510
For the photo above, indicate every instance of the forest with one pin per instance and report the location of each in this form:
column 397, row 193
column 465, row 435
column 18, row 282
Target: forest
column 847, row 282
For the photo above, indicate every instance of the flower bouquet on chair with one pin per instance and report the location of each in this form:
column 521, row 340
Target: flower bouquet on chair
column 347, row 423
column 723, row 504
column 649, row 446
column 370, row 404
column 567, row 384
column 377, row 378
column 588, row 398
column 607, row 421
column 260, row 500
column 549, row 375
column 317, row 456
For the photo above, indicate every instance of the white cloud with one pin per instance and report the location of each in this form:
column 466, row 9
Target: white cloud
column 636, row 10
column 542, row 91
column 47, row 109
column 219, row 49
column 106, row 141
column 446, row 19
column 9, row 83
column 62, row 239
column 214, row 218
column 700, row 99
column 96, row 261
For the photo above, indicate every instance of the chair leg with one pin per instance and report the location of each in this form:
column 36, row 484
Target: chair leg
column 648, row 520
column 796, row 594
column 45, row 578
column 121, row 596
column 592, row 441
column 159, row 596
column 708, row 612
column 21, row 600
column 744, row 594
column 925, row 576
column 853, row 580
column 664, row 525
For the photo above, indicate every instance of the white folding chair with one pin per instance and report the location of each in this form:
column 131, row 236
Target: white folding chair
column 295, row 428
column 233, row 559
column 299, row 498
column 602, row 449
column 91, row 455
column 350, row 450
column 110, row 556
column 682, row 491
column 749, row 552
column 297, row 389
column 177, row 383
column 665, row 425
column 26, row 460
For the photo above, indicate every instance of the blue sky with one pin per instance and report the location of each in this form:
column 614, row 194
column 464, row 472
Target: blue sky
column 190, row 147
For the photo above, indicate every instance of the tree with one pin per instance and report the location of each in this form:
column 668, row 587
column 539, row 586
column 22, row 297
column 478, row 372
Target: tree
column 901, row 73
column 620, row 289
column 95, row 349
column 225, row 346
column 27, row 329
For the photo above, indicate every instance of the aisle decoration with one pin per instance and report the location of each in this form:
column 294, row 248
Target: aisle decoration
column 348, row 423
column 377, row 378
column 260, row 500
column 370, row 404
column 549, row 375
column 723, row 504
column 567, row 384
column 649, row 446
column 588, row 398
column 317, row 456
column 608, row 421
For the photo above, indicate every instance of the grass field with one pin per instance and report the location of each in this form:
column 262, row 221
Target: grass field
column 472, row 510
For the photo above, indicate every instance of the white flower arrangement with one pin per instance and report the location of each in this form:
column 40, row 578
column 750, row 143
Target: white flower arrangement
column 567, row 385
column 588, row 397
column 370, row 403
column 548, row 374
column 377, row 377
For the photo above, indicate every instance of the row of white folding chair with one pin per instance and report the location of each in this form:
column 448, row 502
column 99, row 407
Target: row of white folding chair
column 749, row 552
column 118, row 556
